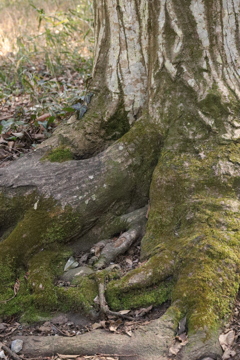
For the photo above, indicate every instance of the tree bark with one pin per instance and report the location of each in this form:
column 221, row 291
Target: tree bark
column 163, row 124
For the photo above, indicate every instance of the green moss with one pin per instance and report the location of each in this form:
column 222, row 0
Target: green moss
column 156, row 295
column 151, row 283
column 12, row 210
column 117, row 125
column 59, row 154
column 53, row 224
column 43, row 269
column 35, row 246
column 79, row 298
column 195, row 216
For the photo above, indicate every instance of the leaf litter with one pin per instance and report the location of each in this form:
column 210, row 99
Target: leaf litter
column 28, row 117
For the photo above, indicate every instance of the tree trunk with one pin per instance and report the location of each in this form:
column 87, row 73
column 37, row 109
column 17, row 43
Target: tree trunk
column 163, row 125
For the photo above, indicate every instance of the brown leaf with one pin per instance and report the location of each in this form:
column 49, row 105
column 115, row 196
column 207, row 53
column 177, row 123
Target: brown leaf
column 228, row 354
column 175, row 348
column 129, row 262
column 16, row 287
column 46, row 327
column 96, row 326
column 226, row 340
column 143, row 311
column 182, row 337
column 128, row 332
column 38, row 136
column 124, row 312
column 43, row 117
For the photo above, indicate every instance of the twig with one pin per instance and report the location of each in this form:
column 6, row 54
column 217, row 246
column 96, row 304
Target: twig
column 63, row 332
column 116, row 355
column 10, row 352
column 15, row 289
column 104, row 306
column 6, row 158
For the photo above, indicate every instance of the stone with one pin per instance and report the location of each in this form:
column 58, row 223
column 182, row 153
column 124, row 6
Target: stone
column 16, row 345
column 71, row 264
column 2, row 355
column 80, row 271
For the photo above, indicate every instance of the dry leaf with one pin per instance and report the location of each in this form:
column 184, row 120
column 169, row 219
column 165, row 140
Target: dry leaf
column 46, row 327
column 226, row 340
column 228, row 354
column 16, row 287
column 129, row 262
column 19, row 135
column 182, row 337
column 143, row 311
column 175, row 348
column 43, row 117
column 128, row 332
column 113, row 328
column 96, row 326
column 124, row 312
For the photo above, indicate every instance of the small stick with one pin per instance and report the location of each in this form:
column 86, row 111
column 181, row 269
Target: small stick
column 117, row 355
column 104, row 307
column 10, row 352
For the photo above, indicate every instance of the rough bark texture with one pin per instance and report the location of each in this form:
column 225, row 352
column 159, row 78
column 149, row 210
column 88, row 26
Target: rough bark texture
column 163, row 124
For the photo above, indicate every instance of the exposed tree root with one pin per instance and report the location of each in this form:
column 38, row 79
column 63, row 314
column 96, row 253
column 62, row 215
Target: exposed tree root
column 149, row 342
column 110, row 249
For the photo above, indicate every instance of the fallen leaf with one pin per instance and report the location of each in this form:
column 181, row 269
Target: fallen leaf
column 228, row 354
column 175, row 348
column 46, row 327
column 96, row 326
column 43, row 117
column 113, row 328
column 16, row 287
column 124, row 312
column 226, row 340
column 143, row 311
column 128, row 332
column 19, row 135
column 129, row 262
column 182, row 337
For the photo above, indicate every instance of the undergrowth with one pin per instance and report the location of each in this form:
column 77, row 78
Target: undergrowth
column 45, row 61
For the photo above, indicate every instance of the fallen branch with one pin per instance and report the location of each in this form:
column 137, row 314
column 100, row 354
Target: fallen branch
column 10, row 352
